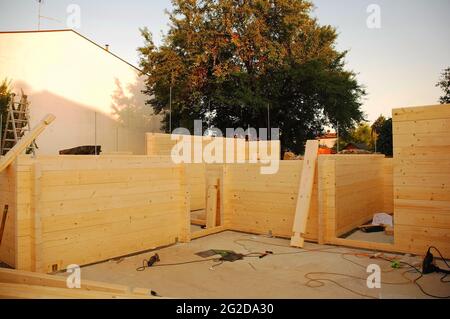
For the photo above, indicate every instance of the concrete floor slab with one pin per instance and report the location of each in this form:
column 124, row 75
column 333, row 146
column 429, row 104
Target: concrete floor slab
column 282, row 275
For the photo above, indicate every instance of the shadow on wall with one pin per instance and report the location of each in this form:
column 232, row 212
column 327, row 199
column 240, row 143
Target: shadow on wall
column 78, row 124
column 129, row 107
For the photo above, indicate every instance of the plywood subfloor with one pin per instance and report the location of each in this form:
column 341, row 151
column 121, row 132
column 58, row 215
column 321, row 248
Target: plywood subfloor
column 276, row 276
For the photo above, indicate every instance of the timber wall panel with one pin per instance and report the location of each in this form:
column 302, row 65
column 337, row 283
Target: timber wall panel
column 388, row 185
column 422, row 178
column 196, row 179
column 352, row 188
column 257, row 203
column 90, row 209
column 8, row 197
column 359, row 192
column 159, row 144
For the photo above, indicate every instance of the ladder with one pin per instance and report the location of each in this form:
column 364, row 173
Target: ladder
column 17, row 124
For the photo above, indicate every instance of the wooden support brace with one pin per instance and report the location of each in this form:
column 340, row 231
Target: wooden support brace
column 25, row 141
column 305, row 193
column 2, row 225
column 27, row 279
column 211, row 202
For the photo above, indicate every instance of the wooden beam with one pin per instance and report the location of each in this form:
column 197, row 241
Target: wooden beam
column 25, row 141
column 207, row 232
column 305, row 193
column 211, row 202
column 2, row 225
column 198, row 222
column 18, row 291
column 12, row 276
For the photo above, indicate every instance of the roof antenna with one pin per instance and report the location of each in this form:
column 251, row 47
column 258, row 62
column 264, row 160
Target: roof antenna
column 39, row 14
column 40, row 3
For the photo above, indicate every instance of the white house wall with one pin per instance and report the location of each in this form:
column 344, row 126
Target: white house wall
column 95, row 96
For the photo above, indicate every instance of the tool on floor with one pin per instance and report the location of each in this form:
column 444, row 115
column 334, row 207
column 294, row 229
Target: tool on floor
column 267, row 253
column 153, row 260
column 429, row 266
column 225, row 255
column 372, row 228
column 147, row 263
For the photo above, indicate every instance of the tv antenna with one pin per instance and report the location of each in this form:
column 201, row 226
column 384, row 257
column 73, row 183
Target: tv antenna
column 40, row 3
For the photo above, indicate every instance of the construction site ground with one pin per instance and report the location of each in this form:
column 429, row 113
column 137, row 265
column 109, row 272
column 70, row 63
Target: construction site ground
column 317, row 271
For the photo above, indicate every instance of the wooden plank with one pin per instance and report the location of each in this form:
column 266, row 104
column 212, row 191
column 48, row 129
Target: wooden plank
column 3, row 222
column 305, row 192
column 365, row 245
column 207, row 232
column 25, row 141
column 421, row 113
column 211, row 202
column 36, row 219
column 18, row 291
column 35, row 279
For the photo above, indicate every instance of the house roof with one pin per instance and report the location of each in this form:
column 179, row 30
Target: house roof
column 327, row 136
column 79, row 34
column 360, row 146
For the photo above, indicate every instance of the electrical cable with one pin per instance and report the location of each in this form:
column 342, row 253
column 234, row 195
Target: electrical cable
column 415, row 282
column 319, row 281
column 145, row 261
column 433, row 247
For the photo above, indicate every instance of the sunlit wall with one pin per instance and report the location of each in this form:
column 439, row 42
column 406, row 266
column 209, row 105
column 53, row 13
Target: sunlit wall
column 95, row 96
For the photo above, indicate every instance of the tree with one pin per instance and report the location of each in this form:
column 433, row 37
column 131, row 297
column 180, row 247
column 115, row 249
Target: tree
column 384, row 143
column 376, row 129
column 444, row 84
column 228, row 61
column 5, row 96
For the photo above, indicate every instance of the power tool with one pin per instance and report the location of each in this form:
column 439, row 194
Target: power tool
column 429, row 267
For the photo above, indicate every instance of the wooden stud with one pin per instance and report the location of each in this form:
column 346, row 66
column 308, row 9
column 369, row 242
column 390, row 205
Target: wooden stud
column 211, row 202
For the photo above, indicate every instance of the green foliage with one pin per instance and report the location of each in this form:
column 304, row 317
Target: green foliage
column 444, row 84
column 384, row 143
column 361, row 134
column 5, row 96
column 228, row 60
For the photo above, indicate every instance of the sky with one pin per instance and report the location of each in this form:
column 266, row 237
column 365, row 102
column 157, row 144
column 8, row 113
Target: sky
column 398, row 57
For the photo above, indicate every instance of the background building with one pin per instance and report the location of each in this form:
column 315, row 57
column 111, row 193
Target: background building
column 95, row 95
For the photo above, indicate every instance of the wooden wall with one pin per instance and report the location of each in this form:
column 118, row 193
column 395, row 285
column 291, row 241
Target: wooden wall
column 196, row 180
column 422, row 178
column 388, row 185
column 348, row 191
column 257, row 203
column 8, row 197
column 81, row 210
column 162, row 144
column 359, row 192
column 159, row 144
